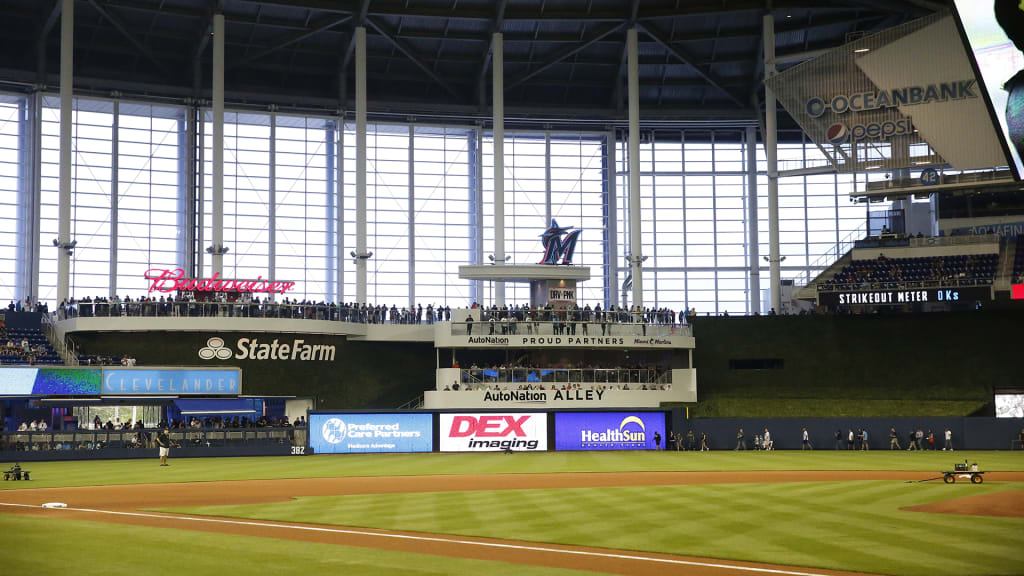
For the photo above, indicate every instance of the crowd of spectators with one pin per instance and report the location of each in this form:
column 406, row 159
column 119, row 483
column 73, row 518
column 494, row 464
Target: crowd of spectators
column 883, row 272
column 217, row 422
column 26, row 346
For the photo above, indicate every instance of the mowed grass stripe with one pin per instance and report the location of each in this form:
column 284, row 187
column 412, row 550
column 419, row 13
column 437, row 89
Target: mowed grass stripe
column 855, row 526
column 46, row 545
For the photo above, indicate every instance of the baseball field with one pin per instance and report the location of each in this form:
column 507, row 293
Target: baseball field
column 714, row 513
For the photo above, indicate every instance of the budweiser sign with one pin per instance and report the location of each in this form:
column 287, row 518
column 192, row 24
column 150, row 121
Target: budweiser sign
column 173, row 280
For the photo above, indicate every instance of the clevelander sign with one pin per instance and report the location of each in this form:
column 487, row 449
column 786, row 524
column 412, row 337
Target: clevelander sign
column 493, row 432
column 170, row 381
column 608, row 430
column 348, row 433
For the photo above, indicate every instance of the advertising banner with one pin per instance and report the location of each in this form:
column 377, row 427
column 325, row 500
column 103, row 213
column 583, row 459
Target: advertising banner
column 968, row 295
column 905, row 86
column 352, row 433
column 494, row 432
column 171, row 381
column 608, row 430
column 22, row 381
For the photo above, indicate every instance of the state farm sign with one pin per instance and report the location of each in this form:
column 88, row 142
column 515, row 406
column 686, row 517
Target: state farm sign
column 493, row 432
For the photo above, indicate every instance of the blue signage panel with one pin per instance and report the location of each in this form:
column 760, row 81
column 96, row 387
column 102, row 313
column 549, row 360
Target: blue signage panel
column 608, row 430
column 350, row 433
column 22, row 381
column 168, row 381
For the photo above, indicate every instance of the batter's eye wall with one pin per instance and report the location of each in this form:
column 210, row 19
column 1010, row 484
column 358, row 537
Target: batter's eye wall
column 859, row 364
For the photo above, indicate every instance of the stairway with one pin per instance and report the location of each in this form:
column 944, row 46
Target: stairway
column 810, row 291
column 65, row 350
column 1004, row 276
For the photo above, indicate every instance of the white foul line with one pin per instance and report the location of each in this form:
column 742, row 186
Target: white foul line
column 433, row 539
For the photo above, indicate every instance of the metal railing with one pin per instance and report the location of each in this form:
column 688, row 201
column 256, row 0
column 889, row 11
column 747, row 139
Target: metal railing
column 175, row 309
column 905, row 285
column 567, row 328
column 830, row 257
column 52, row 440
column 506, row 375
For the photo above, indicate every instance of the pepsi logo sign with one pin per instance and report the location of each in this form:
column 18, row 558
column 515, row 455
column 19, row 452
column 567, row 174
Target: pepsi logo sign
column 836, row 133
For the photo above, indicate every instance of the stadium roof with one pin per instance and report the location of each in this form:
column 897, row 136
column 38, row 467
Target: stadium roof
column 700, row 60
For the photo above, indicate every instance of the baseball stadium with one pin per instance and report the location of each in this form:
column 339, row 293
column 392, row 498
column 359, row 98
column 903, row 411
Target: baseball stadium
column 523, row 287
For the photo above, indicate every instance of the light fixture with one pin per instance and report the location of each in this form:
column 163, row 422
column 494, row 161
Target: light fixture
column 861, row 50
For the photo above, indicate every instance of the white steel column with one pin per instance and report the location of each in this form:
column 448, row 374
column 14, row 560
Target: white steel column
column 611, row 221
column 752, row 232
column 412, row 216
column 770, row 148
column 67, row 46
column 498, row 109
column 361, row 254
column 114, row 193
column 636, row 258
column 272, row 200
column 547, row 177
column 217, row 258
column 339, row 214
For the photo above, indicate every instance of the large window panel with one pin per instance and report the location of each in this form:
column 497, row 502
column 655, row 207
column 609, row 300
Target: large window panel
column 91, row 156
column 13, row 123
column 150, row 199
column 246, row 194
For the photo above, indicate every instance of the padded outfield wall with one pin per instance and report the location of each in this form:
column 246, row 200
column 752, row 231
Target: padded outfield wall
column 923, row 365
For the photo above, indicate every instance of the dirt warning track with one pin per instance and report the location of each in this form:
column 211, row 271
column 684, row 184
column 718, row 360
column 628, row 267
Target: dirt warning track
column 125, row 504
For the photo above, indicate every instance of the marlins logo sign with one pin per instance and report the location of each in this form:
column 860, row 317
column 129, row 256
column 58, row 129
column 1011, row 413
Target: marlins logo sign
column 556, row 247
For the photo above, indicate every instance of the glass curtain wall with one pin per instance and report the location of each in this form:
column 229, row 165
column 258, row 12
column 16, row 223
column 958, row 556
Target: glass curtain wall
column 427, row 189
column 695, row 212
column 13, row 179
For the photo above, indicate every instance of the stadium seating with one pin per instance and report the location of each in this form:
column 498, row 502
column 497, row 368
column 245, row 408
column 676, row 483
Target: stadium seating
column 959, row 270
column 20, row 355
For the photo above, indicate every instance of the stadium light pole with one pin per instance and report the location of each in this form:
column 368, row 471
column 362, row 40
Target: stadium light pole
column 771, row 149
column 636, row 258
column 67, row 47
column 498, row 121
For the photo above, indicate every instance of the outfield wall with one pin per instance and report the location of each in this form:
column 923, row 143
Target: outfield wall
column 921, row 365
column 786, row 433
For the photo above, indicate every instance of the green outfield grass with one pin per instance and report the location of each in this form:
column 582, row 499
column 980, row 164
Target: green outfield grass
column 854, row 525
column 41, row 546
column 103, row 472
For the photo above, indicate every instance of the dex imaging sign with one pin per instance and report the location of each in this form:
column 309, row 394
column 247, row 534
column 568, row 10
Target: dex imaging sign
column 494, row 432
column 348, row 433
column 608, row 430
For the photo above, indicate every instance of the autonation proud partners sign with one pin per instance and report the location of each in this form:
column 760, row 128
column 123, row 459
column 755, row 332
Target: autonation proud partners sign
column 608, row 430
column 348, row 433
column 494, row 432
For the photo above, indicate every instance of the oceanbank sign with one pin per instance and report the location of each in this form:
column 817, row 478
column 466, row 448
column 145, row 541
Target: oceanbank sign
column 253, row 349
column 840, row 132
